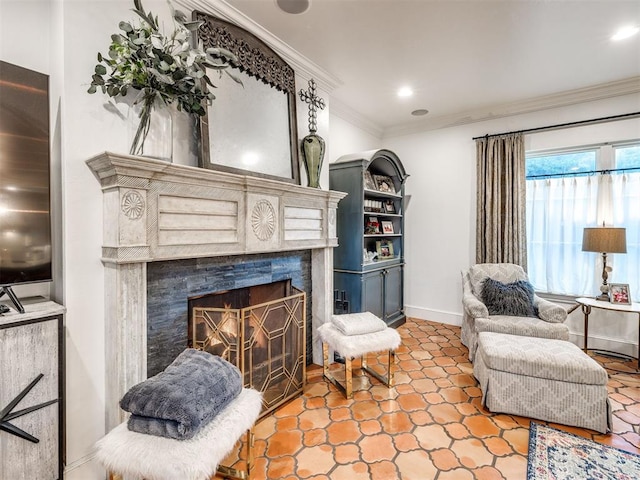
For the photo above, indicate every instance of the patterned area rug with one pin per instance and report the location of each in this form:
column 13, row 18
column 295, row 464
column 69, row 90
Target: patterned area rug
column 554, row 454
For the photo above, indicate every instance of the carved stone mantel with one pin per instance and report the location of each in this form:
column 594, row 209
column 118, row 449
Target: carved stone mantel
column 154, row 210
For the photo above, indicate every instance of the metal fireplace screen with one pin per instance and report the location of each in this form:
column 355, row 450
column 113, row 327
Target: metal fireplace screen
column 261, row 329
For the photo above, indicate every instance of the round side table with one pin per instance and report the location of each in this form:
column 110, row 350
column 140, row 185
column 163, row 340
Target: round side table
column 588, row 303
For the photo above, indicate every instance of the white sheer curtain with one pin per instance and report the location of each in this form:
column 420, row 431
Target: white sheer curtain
column 558, row 209
column 626, row 213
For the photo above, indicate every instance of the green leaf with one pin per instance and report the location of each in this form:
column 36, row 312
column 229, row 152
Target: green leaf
column 97, row 79
column 161, row 76
column 100, row 58
column 101, row 70
column 234, row 77
column 179, row 15
column 117, row 39
column 125, row 26
column 92, row 89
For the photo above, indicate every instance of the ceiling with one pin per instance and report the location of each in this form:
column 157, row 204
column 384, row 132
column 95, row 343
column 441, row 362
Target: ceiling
column 465, row 59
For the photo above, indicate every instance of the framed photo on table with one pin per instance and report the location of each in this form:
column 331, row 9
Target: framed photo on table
column 619, row 293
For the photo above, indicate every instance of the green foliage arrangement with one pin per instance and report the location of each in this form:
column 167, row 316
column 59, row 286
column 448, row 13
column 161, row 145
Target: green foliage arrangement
column 164, row 69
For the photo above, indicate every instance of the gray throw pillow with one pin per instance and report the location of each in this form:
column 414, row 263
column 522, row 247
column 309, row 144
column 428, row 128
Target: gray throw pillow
column 515, row 299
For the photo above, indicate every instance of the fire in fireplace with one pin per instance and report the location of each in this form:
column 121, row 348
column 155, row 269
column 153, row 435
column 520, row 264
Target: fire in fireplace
column 261, row 329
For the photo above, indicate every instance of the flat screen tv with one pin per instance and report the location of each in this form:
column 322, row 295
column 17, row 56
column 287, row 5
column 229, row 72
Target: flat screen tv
column 25, row 220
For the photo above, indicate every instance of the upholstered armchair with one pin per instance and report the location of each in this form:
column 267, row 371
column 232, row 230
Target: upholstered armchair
column 508, row 285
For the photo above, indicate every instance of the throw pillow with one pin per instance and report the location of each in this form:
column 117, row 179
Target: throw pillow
column 515, row 299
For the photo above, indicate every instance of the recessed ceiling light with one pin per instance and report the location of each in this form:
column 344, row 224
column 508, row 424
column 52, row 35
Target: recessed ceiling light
column 419, row 112
column 405, row 92
column 625, row 32
column 293, row 6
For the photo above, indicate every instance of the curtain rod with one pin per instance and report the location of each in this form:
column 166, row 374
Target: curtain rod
column 580, row 174
column 558, row 126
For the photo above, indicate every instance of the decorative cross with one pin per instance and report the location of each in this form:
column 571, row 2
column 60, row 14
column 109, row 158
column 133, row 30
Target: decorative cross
column 310, row 97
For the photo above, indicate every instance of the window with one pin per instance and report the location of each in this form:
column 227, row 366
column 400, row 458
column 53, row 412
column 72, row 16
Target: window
column 564, row 195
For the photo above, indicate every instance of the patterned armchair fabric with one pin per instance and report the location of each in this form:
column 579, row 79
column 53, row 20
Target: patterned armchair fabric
column 476, row 317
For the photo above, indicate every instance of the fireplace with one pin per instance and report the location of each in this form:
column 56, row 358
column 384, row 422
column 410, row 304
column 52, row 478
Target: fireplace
column 155, row 212
column 260, row 329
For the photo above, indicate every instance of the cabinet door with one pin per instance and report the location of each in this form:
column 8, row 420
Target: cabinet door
column 393, row 292
column 372, row 293
column 27, row 351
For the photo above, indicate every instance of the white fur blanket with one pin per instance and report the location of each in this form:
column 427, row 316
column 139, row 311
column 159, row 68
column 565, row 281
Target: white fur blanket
column 137, row 455
column 357, row 345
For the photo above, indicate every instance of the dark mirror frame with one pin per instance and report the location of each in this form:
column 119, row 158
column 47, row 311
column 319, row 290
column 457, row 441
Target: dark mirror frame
column 258, row 60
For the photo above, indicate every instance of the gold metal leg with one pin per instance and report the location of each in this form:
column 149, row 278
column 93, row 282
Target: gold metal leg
column 347, row 388
column 586, row 310
column 348, row 377
column 228, row 472
column 388, row 379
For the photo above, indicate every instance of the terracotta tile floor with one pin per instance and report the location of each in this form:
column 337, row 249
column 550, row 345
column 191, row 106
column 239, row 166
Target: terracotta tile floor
column 431, row 425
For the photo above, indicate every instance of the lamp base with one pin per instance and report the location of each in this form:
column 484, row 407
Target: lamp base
column 603, row 297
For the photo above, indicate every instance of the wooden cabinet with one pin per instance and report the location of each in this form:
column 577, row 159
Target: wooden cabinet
column 31, row 393
column 369, row 259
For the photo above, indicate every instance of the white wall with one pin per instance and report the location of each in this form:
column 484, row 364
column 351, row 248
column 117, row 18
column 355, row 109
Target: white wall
column 440, row 220
column 62, row 37
column 345, row 137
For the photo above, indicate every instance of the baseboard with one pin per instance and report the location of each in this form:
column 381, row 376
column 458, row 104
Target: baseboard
column 434, row 315
column 606, row 343
column 84, row 468
column 595, row 342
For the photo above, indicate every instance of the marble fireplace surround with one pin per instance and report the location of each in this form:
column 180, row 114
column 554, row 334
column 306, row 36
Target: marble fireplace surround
column 155, row 211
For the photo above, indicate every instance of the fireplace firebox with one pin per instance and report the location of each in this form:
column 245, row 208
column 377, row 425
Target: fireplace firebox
column 261, row 329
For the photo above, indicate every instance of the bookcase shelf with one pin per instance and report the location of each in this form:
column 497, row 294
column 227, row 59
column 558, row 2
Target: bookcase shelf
column 369, row 261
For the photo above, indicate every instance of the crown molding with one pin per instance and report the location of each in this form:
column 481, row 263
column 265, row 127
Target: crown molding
column 601, row 91
column 350, row 115
column 302, row 65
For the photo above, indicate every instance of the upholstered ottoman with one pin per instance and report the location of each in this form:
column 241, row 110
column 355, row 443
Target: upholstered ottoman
column 551, row 380
column 130, row 455
column 357, row 344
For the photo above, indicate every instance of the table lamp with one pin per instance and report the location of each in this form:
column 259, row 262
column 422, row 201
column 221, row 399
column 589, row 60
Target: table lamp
column 604, row 240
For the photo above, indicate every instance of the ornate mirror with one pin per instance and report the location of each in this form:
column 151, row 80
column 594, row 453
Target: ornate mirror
column 250, row 129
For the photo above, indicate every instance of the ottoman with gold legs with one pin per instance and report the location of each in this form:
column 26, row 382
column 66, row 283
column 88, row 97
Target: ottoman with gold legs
column 130, row 455
column 355, row 345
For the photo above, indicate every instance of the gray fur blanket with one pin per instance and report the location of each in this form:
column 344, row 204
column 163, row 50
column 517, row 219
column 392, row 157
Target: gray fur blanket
column 183, row 398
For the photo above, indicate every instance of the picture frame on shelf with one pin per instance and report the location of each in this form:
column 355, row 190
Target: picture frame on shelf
column 387, row 226
column 369, row 182
column 384, row 184
column 384, row 248
column 372, row 226
column 389, row 207
column 619, row 293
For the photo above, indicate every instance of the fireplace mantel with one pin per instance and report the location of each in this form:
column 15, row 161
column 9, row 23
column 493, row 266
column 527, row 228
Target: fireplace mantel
column 154, row 210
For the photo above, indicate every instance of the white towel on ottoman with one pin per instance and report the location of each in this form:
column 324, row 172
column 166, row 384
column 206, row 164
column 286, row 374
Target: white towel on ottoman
column 358, row 323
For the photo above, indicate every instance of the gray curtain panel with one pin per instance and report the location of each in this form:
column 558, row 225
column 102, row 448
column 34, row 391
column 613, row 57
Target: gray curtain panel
column 501, row 199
